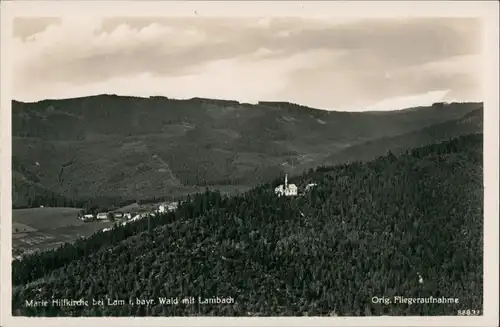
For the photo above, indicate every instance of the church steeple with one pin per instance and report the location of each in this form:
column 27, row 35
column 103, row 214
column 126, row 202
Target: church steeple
column 286, row 180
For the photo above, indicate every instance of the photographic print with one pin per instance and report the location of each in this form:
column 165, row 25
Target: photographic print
column 199, row 163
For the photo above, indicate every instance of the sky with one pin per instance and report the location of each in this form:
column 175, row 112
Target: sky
column 333, row 64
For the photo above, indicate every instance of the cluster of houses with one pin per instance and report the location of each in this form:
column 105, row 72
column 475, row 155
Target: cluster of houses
column 285, row 189
column 104, row 216
column 290, row 189
column 128, row 216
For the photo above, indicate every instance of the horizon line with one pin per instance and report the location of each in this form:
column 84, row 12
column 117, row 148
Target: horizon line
column 260, row 102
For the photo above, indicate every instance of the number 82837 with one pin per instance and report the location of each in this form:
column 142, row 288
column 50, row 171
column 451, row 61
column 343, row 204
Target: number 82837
column 469, row 312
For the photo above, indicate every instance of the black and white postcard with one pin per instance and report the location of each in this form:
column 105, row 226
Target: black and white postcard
column 249, row 163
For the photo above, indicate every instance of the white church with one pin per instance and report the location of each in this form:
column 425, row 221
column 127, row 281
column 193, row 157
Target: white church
column 287, row 189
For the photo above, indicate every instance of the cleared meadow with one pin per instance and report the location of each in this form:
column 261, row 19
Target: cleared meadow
column 46, row 228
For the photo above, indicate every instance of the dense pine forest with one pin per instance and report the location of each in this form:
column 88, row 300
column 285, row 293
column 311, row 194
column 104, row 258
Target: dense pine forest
column 367, row 229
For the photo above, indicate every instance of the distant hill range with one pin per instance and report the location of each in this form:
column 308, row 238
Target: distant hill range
column 133, row 148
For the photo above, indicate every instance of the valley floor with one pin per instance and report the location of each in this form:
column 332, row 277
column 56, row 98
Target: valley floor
column 40, row 229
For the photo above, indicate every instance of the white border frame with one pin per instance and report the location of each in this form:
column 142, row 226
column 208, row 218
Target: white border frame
column 488, row 10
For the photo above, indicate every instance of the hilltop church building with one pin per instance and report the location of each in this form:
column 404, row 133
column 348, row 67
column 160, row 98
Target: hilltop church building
column 286, row 189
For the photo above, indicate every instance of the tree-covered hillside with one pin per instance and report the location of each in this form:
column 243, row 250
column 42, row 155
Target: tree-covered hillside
column 367, row 229
column 114, row 146
column 471, row 123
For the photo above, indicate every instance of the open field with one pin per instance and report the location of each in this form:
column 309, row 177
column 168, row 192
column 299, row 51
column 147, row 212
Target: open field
column 45, row 218
column 46, row 228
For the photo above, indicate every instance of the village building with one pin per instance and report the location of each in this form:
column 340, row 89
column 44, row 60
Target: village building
column 162, row 208
column 286, row 189
column 102, row 216
column 172, row 206
column 166, row 207
column 87, row 217
column 309, row 186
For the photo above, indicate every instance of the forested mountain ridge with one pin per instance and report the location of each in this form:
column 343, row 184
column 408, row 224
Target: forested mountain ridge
column 133, row 148
column 471, row 123
column 367, row 229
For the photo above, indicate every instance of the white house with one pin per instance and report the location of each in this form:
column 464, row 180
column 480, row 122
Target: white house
column 172, row 206
column 166, row 207
column 162, row 208
column 286, row 189
column 309, row 186
column 102, row 216
column 139, row 216
column 87, row 217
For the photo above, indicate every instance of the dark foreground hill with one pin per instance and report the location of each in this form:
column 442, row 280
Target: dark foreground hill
column 133, row 148
column 367, row 229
